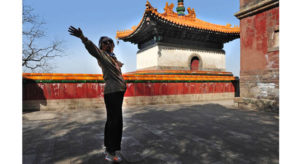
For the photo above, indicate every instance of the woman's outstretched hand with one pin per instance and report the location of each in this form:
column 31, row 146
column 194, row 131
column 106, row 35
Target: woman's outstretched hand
column 75, row 32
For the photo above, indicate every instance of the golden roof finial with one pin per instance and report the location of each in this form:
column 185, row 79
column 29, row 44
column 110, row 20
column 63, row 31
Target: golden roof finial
column 180, row 8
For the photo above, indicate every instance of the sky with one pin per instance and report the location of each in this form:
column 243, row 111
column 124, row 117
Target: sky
column 104, row 18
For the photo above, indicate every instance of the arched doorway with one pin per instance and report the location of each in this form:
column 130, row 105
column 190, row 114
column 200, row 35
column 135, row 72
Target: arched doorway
column 195, row 64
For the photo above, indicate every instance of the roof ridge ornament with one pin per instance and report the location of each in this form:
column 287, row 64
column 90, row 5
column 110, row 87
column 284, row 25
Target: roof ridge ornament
column 180, row 8
column 192, row 13
column 149, row 7
column 169, row 10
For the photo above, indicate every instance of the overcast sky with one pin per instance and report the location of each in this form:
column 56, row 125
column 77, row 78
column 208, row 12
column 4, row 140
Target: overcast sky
column 97, row 18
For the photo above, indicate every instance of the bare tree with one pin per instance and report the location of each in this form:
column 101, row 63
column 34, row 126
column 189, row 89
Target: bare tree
column 36, row 58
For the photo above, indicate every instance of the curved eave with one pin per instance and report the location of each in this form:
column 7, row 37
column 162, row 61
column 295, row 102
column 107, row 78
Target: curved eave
column 124, row 35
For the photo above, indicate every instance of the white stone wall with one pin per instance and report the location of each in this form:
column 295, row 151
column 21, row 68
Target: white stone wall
column 213, row 60
column 164, row 56
column 147, row 58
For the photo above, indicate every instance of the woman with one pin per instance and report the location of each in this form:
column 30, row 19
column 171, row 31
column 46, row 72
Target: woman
column 114, row 90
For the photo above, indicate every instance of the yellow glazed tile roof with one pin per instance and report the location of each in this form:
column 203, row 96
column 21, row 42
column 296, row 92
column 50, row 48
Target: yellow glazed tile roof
column 139, row 75
column 188, row 20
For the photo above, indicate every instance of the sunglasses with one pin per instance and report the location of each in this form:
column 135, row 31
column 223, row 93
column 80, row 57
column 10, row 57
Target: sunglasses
column 107, row 42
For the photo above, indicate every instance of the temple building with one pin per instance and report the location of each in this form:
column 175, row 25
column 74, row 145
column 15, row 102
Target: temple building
column 180, row 60
column 178, row 41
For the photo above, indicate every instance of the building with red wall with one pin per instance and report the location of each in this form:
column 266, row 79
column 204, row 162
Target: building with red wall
column 180, row 60
column 259, row 60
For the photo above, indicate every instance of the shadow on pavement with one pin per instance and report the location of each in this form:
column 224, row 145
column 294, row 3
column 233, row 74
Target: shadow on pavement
column 187, row 134
column 207, row 133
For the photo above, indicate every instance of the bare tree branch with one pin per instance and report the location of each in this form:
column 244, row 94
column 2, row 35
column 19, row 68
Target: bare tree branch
column 36, row 58
column 28, row 17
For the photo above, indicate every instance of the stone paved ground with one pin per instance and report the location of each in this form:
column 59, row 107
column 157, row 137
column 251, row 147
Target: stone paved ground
column 157, row 134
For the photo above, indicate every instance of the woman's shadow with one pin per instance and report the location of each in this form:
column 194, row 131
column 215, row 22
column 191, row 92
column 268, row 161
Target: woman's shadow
column 33, row 96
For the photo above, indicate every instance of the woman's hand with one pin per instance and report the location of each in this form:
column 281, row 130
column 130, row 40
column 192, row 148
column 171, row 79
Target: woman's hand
column 75, row 32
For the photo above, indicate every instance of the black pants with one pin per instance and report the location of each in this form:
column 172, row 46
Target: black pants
column 114, row 123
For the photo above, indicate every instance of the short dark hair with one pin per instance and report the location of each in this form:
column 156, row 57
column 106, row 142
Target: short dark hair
column 105, row 40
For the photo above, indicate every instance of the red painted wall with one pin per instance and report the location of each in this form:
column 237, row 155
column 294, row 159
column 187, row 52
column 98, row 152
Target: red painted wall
column 256, row 36
column 43, row 91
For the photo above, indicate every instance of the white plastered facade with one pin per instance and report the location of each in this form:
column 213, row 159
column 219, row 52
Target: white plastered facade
column 167, row 57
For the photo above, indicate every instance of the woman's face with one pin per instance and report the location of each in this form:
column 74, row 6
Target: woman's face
column 108, row 48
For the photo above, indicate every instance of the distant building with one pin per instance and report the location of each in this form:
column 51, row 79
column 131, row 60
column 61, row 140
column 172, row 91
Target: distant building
column 180, row 60
column 259, row 70
column 175, row 41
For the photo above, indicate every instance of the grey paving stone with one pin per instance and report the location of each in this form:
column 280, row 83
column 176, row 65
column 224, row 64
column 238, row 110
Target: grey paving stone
column 29, row 158
column 174, row 134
